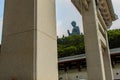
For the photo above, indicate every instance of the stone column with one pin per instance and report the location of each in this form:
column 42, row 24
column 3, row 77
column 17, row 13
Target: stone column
column 107, row 61
column 29, row 47
column 46, row 41
column 96, row 44
column 95, row 64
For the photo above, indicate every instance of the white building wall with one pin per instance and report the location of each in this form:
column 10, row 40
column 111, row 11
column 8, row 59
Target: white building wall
column 116, row 72
column 82, row 75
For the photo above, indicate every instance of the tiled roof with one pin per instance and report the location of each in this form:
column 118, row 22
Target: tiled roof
column 82, row 56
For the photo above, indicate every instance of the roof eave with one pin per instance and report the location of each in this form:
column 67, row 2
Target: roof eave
column 113, row 15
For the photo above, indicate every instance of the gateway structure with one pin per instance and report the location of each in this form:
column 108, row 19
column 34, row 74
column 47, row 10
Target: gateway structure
column 97, row 18
column 29, row 45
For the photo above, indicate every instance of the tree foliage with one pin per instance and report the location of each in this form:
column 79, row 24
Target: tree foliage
column 114, row 38
column 73, row 45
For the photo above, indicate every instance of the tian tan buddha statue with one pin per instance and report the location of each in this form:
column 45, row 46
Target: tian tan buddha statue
column 75, row 30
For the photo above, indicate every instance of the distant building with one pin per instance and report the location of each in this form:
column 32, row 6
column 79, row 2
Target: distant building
column 74, row 67
column 75, row 30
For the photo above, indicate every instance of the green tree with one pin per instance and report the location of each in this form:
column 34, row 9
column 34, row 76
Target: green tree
column 74, row 45
column 114, row 38
column 70, row 45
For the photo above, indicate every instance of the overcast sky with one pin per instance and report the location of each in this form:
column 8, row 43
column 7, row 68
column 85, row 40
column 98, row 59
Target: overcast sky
column 1, row 16
column 65, row 14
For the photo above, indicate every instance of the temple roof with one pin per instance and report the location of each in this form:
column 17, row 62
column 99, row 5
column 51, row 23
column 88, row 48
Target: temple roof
column 110, row 6
column 114, row 51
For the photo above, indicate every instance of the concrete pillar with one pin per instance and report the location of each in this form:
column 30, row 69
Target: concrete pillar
column 107, row 61
column 95, row 64
column 96, row 44
column 46, row 41
column 29, row 47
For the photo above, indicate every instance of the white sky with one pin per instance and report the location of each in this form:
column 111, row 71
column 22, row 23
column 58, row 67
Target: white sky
column 65, row 14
